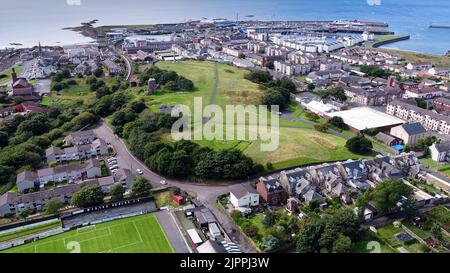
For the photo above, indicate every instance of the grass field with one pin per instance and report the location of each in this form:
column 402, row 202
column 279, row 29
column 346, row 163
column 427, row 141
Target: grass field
column 437, row 60
column 140, row 234
column 8, row 74
column 443, row 168
column 75, row 95
column 299, row 143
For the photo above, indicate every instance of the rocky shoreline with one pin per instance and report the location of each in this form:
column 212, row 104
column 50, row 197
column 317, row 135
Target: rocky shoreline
column 86, row 29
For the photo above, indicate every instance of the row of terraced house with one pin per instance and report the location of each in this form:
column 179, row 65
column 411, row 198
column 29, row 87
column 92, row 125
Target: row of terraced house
column 36, row 187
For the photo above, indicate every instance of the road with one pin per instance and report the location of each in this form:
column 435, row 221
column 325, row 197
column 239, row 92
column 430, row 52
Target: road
column 129, row 74
column 206, row 193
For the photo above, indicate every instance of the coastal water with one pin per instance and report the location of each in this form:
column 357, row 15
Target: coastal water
column 31, row 21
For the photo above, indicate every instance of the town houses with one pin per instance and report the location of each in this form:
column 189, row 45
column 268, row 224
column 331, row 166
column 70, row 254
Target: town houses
column 345, row 180
column 412, row 113
column 77, row 152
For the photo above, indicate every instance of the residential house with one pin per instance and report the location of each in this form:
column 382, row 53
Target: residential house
column 112, row 67
column 440, row 152
column 411, row 113
column 244, row 196
column 125, row 177
column 26, row 180
column 71, row 172
column 11, row 203
column 271, row 191
column 80, row 137
column 78, row 152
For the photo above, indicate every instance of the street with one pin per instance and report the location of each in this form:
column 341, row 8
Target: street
column 206, row 193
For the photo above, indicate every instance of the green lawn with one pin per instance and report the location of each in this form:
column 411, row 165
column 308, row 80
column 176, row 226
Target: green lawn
column 27, row 231
column 104, row 168
column 443, row 168
column 8, row 74
column 76, row 95
column 364, row 245
column 45, row 101
column 299, row 143
column 140, row 234
column 409, row 56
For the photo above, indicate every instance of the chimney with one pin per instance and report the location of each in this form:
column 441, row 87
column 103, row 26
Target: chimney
column 14, row 75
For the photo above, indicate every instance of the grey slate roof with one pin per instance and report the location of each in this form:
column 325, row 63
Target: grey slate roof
column 414, row 128
column 27, row 176
column 442, row 147
column 242, row 190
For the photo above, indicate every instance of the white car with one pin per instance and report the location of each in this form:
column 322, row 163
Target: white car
column 114, row 171
column 163, row 182
column 113, row 167
column 112, row 163
column 112, row 159
column 139, row 171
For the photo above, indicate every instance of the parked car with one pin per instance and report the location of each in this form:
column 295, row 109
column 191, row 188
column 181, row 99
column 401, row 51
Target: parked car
column 112, row 159
column 163, row 182
column 114, row 162
column 139, row 171
column 113, row 167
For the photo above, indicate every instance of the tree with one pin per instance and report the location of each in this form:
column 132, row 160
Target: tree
column 138, row 106
column 88, row 196
column 172, row 86
column 359, row 145
column 311, row 87
column 308, row 236
column 250, row 229
column 321, row 128
column 259, row 76
column 141, row 187
column 337, row 122
column 374, row 71
column 410, row 207
column 337, row 93
column 241, row 56
column 25, row 213
column 269, row 219
column 437, row 232
column 342, row 244
column 84, row 119
column 273, row 97
column 312, row 116
column 237, row 216
column 98, row 72
column 3, row 139
column 116, row 192
column 387, row 194
column 53, row 206
column 271, row 242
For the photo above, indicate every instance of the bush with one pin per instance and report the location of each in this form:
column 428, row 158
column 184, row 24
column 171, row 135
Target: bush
column 259, row 76
column 321, row 128
column 359, row 145
column 337, row 122
column 312, row 116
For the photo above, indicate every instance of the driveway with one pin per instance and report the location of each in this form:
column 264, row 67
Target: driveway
column 172, row 231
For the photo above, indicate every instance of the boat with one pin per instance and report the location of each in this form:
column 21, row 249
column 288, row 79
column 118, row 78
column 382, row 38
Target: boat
column 440, row 26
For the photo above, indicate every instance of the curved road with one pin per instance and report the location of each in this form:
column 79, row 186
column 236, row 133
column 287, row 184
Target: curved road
column 206, row 193
column 129, row 67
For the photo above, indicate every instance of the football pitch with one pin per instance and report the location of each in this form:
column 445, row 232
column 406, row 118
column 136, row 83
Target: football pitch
column 139, row 234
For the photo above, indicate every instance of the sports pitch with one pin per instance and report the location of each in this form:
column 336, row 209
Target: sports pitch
column 140, row 234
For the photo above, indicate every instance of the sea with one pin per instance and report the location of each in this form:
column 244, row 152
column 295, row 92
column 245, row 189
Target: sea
column 29, row 22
